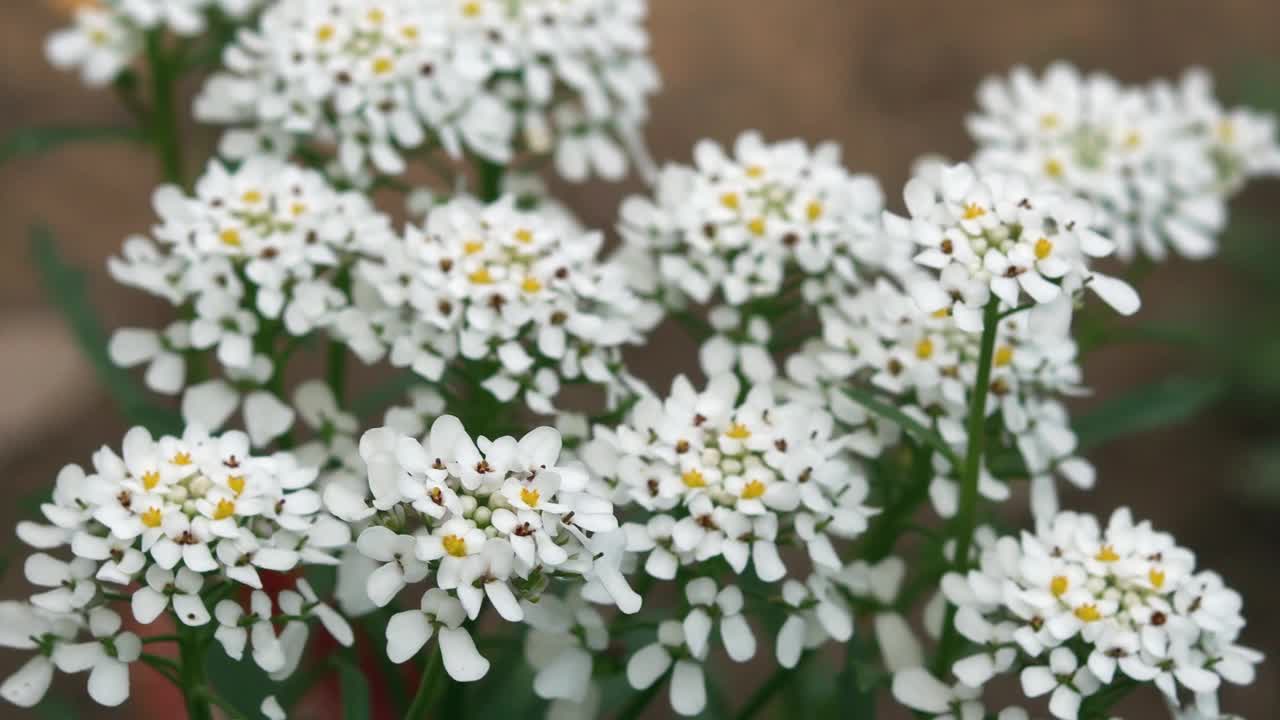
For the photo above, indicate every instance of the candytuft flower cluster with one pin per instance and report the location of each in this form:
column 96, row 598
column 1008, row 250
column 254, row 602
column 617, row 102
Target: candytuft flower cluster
column 497, row 484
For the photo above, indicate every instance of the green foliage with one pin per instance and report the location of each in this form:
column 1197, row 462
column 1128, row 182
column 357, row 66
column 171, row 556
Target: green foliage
column 355, row 690
column 1162, row 404
column 38, row 141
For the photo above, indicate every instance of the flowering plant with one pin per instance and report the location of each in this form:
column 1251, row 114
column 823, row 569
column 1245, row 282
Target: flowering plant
column 513, row 508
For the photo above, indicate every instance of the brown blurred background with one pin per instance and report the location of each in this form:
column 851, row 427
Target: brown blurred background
column 889, row 80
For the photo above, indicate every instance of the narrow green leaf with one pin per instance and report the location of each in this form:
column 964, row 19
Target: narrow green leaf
column 53, row 707
column 37, row 141
column 870, row 401
column 855, row 686
column 1151, row 407
column 65, row 286
column 355, row 691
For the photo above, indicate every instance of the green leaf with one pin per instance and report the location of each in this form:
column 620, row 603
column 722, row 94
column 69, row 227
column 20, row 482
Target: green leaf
column 355, row 690
column 53, row 707
column 910, row 425
column 856, row 686
column 37, row 141
column 65, row 286
column 1151, row 407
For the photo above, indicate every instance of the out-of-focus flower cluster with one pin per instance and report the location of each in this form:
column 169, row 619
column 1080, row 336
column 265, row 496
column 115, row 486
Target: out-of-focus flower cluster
column 257, row 255
column 520, row 296
column 1160, row 162
column 1075, row 607
column 193, row 521
column 106, row 36
column 384, row 79
column 499, row 519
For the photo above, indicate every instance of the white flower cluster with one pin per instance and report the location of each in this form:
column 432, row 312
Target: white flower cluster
column 261, row 251
column 106, row 36
column 519, row 296
column 498, row 519
column 1160, row 162
column 189, row 520
column 1074, row 607
column 381, row 79
column 926, row 365
column 993, row 234
column 719, row 478
column 744, row 224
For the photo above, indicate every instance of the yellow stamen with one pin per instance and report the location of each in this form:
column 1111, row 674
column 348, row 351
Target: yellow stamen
column 1107, row 554
column 151, row 518
column 376, row 16
column 151, row 479
column 524, row 236
column 454, row 545
column 813, row 211
column 1058, row 586
column 471, row 247
column 924, row 349
column 941, row 312
column 298, row 208
column 382, row 66
column 325, row 33
column 251, row 197
column 1226, row 130
column 224, row 510
column 1156, row 577
column 98, row 37
column 755, row 171
column 471, row 9
column 1053, row 169
column 481, row 277
column 409, row 32
column 729, row 200
column 231, row 237
column 973, row 211
column 1132, row 140
column 756, row 226
column 753, row 490
column 1043, row 248
column 236, row 483
column 530, row 496
column 181, row 458
column 1049, row 121
column 738, row 431
column 1004, row 355
column 531, row 285
column 693, row 479
column 1088, row 612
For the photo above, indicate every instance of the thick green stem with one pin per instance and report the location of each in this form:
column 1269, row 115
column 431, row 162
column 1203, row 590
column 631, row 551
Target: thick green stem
column 191, row 675
column 428, row 687
column 164, row 114
column 490, row 179
column 967, row 514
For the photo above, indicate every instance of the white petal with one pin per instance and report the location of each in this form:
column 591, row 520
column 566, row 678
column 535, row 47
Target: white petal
column 1119, row 294
column 28, row 685
column 790, row 642
column 109, row 682
column 567, row 677
column 266, row 417
column 918, row 690
column 688, row 688
column 461, row 659
column 647, row 665
column 407, row 632
column 1037, row 680
column 739, row 641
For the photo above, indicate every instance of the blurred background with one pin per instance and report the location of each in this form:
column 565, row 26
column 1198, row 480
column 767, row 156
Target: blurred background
column 889, row 80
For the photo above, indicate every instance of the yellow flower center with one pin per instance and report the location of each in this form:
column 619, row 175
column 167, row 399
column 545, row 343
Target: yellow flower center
column 376, row 16
column 531, row 285
column 471, row 9
column 1049, row 121
column 1058, row 585
column 1132, row 140
column 409, row 32
column 181, row 458
column 530, row 496
column 753, row 490
column 738, row 431
column 251, row 197
column 1156, row 577
column 454, row 545
column 755, row 171
column 236, row 483
column 224, row 510
column 1053, row 169
column 924, row 349
column 1004, row 355
column 1088, row 612
column 814, row 211
column 297, row 208
column 151, row 479
column 471, row 247
column 481, row 277
column 325, row 33
column 973, row 211
column 693, row 479
column 729, row 200
column 941, row 312
column 1107, row 554
column 382, row 66
column 1043, row 248
column 1226, row 130
column 98, row 37
column 151, row 518
column 524, row 236
column 756, row 226
column 231, row 237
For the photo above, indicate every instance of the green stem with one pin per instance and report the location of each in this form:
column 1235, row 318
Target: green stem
column 336, row 357
column 765, row 693
column 191, row 675
column 427, row 686
column 636, row 706
column 164, row 115
column 490, row 177
column 1098, row 705
column 967, row 514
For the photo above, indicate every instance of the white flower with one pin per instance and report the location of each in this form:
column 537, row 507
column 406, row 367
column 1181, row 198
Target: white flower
column 400, row 565
column 1063, row 676
column 816, row 613
column 106, row 657
column 100, row 43
column 24, row 627
column 688, row 691
column 563, row 637
column 212, row 402
column 162, row 352
column 919, row 690
column 707, row 606
column 442, row 615
column 164, row 586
